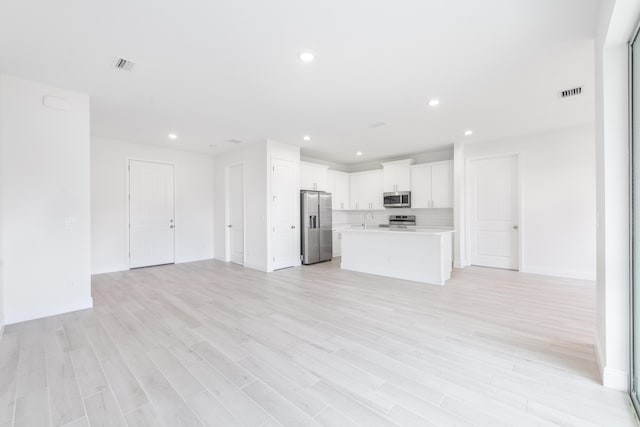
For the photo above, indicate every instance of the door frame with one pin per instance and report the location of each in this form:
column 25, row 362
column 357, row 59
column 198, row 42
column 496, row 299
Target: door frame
column 227, row 211
column 127, row 196
column 633, row 310
column 468, row 185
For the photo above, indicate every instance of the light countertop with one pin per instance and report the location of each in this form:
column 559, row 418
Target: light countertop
column 385, row 230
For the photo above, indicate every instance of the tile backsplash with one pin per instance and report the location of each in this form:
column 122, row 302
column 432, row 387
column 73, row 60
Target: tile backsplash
column 424, row 217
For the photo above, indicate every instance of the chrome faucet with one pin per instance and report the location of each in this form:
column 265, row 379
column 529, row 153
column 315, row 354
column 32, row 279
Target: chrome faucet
column 366, row 214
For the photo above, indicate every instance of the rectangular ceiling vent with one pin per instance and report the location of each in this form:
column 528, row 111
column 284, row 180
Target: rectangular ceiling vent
column 234, row 141
column 571, row 92
column 123, row 64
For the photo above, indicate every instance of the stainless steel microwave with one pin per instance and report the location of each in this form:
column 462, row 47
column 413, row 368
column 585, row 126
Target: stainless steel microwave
column 398, row 199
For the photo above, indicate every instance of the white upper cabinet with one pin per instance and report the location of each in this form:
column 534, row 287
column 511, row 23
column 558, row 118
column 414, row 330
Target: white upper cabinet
column 397, row 175
column 338, row 184
column 442, row 185
column 313, row 176
column 421, row 186
column 432, row 185
column 366, row 190
column 354, row 191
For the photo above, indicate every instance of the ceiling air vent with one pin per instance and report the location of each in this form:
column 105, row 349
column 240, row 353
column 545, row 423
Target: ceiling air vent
column 123, row 64
column 571, row 92
column 234, row 141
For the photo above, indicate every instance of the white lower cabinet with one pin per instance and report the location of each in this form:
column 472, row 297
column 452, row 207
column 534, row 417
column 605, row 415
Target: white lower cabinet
column 337, row 243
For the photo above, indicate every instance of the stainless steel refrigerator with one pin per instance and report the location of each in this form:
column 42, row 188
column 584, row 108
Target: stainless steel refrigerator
column 315, row 213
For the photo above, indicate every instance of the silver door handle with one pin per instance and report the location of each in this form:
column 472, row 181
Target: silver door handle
column 515, row 227
column 293, row 226
column 171, row 226
column 229, row 226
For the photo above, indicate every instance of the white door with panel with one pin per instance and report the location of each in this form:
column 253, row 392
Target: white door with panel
column 235, row 218
column 285, row 198
column 494, row 212
column 151, row 214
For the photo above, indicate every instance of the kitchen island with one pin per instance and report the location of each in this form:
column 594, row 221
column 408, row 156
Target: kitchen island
column 417, row 254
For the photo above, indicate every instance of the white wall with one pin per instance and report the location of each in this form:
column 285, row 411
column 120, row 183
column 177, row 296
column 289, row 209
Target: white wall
column 257, row 160
column 459, row 203
column 557, row 193
column 254, row 158
column 44, row 173
column 616, row 23
column 193, row 202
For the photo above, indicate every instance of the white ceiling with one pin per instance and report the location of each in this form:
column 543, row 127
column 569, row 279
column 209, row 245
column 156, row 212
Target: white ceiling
column 216, row 70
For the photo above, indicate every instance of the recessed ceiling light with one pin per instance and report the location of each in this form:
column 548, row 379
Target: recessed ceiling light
column 358, row 153
column 172, row 136
column 306, row 56
column 434, row 102
column 468, row 132
column 306, row 138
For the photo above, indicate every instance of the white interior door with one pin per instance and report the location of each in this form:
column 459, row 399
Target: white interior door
column 235, row 223
column 284, row 216
column 151, row 214
column 494, row 212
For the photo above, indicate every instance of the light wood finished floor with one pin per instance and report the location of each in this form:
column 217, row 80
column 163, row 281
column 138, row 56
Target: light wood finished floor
column 213, row 344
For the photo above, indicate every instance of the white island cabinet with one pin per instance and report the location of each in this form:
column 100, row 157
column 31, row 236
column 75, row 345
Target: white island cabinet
column 421, row 255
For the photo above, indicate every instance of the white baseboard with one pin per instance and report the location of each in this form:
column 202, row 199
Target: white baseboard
column 599, row 354
column 569, row 274
column 23, row 316
column 615, row 379
column 611, row 377
column 258, row 267
column 124, row 267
